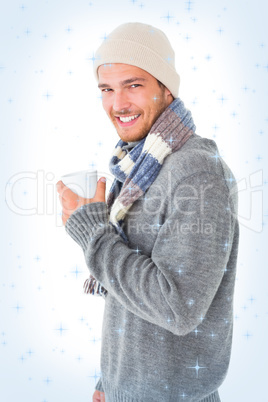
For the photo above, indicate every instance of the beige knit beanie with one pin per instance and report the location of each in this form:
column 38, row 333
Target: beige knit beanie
column 143, row 46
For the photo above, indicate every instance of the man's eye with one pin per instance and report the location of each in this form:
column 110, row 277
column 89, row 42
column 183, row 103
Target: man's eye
column 106, row 90
column 135, row 85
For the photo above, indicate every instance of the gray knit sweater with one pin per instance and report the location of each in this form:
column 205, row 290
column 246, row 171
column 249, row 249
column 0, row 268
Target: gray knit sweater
column 167, row 327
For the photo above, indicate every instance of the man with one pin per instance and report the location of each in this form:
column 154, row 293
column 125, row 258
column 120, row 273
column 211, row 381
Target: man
column 163, row 250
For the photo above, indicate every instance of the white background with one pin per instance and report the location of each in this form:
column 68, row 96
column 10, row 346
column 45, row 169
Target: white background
column 52, row 123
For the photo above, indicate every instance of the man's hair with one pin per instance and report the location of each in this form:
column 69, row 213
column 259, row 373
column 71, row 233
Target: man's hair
column 160, row 84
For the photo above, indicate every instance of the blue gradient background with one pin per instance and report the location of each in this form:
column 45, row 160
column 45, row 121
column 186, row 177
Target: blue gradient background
column 52, row 123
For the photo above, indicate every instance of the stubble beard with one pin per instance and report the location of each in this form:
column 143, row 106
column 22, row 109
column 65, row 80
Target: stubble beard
column 145, row 129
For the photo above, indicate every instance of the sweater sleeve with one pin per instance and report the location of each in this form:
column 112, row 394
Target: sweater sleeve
column 174, row 286
column 99, row 386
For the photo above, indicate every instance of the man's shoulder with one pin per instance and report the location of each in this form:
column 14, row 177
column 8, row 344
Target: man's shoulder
column 196, row 153
column 197, row 156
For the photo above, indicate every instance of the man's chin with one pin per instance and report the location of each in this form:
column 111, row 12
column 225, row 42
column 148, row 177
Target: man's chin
column 130, row 134
column 131, row 137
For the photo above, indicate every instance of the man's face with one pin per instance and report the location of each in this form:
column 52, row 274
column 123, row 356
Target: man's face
column 132, row 98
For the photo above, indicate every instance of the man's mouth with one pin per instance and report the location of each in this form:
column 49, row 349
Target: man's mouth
column 125, row 121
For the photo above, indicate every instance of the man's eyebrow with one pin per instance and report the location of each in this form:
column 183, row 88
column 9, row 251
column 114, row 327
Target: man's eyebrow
column 125, row 82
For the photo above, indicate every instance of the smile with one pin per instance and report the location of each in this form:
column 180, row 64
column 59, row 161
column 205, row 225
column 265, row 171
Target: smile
column 127, row 120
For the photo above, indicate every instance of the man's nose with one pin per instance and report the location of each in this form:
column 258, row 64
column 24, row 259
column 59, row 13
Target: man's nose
column 121, row 101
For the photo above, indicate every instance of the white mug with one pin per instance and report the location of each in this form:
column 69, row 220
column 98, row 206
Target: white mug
column 83, row 183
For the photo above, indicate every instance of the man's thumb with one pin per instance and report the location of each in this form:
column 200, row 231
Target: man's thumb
column 100, row 191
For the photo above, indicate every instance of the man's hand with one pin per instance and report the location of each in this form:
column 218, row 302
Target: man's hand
column 98, row 396
column 71, row 202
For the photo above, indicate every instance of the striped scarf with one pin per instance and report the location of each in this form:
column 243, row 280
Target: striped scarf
column 135, row 171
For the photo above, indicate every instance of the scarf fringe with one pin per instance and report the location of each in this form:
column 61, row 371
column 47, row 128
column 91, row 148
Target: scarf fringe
column 93, row 287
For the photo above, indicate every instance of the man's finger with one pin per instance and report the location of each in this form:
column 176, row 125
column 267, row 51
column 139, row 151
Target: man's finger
column 64, row 191
column 96, row 396
column 70, row 203
column 64, row 218
column 59, row 186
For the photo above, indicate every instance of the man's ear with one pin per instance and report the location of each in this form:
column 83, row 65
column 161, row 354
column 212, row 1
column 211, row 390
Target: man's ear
column 169, row 95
